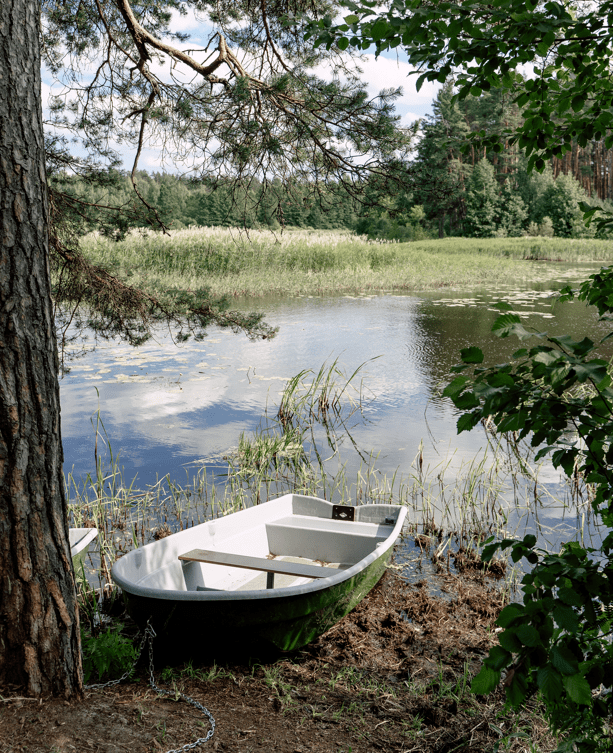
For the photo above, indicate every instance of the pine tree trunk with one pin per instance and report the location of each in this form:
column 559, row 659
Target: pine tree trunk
column 576, row 172
column 39, row 627
column 555, row 167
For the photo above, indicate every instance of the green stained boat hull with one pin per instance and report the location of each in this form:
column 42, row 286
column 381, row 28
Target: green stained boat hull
column 278, row 622
column 201, row 592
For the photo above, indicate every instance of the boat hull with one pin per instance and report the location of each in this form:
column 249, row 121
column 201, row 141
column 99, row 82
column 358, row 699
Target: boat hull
column 193, row 591
column 282, row 623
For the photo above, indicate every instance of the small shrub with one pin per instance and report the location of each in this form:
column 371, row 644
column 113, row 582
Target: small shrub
column 107, row 655
column 546, row 228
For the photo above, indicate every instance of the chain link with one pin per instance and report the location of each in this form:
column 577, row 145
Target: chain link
column 148, row 636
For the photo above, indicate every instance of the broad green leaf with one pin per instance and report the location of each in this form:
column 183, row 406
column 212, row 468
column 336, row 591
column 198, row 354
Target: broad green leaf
column 570, row 596
column 578, row 689
column 505, row 321
column 594, row 371
column 467, row 422
column 488, row 551
column 472, row 355
column 566, row 618
column 455, row 387
column 420, row 81
column 466, row 401
column 509, row 641
column 380, row 29
column 517, row 690
column 528, row 635
column 498, row 658
column 564, row 660
column 514, row 422
column 549, row 682
column 501, row 379
column 510, row 613
column 595, row 675
column 506, row 325
column 543, row 452
column 588, row 209
column 486, row 681
column 602, row 386
column 547, row 357
column 351, row 19
column 578, row 102
column 559, row 373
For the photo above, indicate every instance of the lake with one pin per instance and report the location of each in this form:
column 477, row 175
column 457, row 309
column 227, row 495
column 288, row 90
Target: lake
column 171, row 409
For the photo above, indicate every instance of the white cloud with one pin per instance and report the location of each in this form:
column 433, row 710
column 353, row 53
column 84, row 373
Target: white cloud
column 185, row 23
column 408, row 118
column 385, row 73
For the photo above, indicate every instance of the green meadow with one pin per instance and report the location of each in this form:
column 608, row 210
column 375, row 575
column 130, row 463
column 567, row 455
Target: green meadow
column 261, row 262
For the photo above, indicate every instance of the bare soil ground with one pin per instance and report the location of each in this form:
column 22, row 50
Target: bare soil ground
column 392, row 676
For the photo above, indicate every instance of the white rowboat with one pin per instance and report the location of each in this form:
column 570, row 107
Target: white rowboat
column 278, row 574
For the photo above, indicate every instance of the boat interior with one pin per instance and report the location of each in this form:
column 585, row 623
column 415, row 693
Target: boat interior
column 256, row 557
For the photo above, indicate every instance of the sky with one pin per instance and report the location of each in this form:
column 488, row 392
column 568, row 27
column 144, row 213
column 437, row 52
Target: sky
column 390, row 70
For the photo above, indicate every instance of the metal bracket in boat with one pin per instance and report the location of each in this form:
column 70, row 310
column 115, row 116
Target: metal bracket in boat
column 343, row 512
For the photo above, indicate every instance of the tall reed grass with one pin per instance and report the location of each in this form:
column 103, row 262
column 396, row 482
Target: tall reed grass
column 231, row 262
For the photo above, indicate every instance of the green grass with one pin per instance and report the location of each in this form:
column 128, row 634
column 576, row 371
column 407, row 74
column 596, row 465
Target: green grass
column 231, row 262
column 527, row 248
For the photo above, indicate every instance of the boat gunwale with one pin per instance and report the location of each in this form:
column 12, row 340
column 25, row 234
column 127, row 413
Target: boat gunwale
column 83, row 543
column 313, row 586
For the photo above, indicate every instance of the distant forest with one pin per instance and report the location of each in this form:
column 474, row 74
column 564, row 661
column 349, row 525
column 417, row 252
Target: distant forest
column 452, row 188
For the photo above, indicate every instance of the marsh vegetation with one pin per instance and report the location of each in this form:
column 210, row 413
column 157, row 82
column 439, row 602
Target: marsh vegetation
column 237, row 263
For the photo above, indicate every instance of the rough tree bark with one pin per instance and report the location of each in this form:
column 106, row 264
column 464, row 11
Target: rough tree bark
column 39, row 628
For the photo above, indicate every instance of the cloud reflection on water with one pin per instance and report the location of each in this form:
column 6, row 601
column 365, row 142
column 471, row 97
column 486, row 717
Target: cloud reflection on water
column 165, row 406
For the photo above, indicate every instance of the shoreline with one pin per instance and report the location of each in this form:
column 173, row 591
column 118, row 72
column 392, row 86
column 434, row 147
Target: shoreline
column 394, row 676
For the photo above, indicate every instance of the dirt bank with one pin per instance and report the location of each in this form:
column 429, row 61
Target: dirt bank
column 393, row 676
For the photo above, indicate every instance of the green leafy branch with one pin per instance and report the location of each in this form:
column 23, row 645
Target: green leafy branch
column 536, row 395
column 487, row 46
column 558, row 641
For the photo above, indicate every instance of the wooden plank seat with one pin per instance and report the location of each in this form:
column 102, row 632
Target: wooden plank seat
column 258, row 563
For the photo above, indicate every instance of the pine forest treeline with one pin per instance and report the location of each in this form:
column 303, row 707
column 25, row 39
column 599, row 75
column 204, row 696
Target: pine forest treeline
column 181, row 203
column 453, row 187
column 472, row 191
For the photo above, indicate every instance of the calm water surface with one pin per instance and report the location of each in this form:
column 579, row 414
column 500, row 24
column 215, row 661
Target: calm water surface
column 168, row 408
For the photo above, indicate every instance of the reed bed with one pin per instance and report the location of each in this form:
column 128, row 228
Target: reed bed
column 237, row 263
column 302, row 445
column 526, row 248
